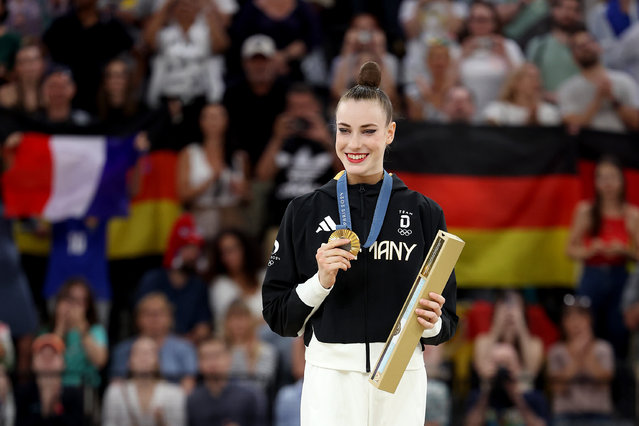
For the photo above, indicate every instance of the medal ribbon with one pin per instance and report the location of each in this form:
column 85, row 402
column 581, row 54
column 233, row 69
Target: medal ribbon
column 380, row 208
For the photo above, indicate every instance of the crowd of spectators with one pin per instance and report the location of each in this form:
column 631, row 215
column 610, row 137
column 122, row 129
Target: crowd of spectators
column 246, row 90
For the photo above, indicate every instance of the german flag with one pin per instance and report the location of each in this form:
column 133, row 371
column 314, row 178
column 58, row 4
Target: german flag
column 508, row 192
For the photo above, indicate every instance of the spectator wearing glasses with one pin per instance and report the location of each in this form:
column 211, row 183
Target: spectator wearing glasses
column 580, row 369
column 487, row 57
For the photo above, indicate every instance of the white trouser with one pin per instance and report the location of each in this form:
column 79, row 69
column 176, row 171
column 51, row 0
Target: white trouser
column 339, row 397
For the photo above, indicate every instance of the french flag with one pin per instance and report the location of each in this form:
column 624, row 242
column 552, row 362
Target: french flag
column 59, row 177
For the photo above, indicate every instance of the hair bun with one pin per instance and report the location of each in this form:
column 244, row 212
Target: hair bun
column 369, row 75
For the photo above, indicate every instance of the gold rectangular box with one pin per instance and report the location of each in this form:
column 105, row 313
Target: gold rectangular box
column 400, row 345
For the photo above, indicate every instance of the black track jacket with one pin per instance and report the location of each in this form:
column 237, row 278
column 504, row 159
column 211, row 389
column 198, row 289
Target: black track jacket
column 365, row 301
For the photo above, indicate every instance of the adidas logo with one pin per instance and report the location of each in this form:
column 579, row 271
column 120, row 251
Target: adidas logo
column 327, row 224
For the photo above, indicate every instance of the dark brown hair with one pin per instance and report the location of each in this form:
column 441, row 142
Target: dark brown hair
column 130, row 107
column 596, row 213
column 367, row 88
column 252, row 260
column 65, row 293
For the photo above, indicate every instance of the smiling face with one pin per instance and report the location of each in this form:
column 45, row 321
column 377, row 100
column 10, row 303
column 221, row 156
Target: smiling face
column 362, row 136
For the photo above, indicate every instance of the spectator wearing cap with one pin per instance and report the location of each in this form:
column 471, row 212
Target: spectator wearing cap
column 154, row 319
column 257, row 100
column 44, row 400
column 291, row 24
column 179, row 282
column 58, row 92
column 253, row 104
column 85, row 40
column 580, row 369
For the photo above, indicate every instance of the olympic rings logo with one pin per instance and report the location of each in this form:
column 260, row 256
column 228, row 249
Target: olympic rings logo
column 404, row 232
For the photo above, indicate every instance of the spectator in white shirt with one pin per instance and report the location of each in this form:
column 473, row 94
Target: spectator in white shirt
column 520, row 103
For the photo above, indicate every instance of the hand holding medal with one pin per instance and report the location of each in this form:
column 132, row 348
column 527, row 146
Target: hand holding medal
column 330, row 259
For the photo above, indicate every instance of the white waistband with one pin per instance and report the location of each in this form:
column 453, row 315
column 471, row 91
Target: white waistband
column 352, row 356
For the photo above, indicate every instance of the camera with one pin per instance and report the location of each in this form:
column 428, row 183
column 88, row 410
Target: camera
column 364, row 36
column 300, row 125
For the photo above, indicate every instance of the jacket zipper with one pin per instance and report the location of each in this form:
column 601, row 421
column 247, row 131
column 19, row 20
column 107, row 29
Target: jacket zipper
column 362, row 190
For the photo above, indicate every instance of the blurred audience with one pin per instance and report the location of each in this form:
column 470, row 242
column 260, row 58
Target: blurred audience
column 208, row 186
column 550, row 52
column 9, row 43
column 604, row 235
column 458, row 107
column 630, row 310
column 75, row 322
column 187, row 37
column 300, row 156
column 487, row 57
column 96, row 38
column 286, row 409
column 425, row 23
column 520, row 102
column 507, row 360
column 364, row 41
column 219, row 401
column 58, row 92
column 626, row 55
column 118, row 97
column 7, row 360
column 253, row 361
column 181, row 285
column 259, row 98
column 178, row 359
column 23, row 93
column 519, row 18
column 17, row 307
column 79, row 250
column 608, row 22
column 45, row 400
column 597, row 97
column 425, row 95
column 28, row 17
column 580, row 369
column 438, row 395
column 144, row 398
column 292, row 24
column 236, row 273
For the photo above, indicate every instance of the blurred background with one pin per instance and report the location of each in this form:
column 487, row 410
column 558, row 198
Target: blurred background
column 150, row 148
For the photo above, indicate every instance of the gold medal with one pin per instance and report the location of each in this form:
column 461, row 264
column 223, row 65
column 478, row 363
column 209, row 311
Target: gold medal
column 353, row 246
